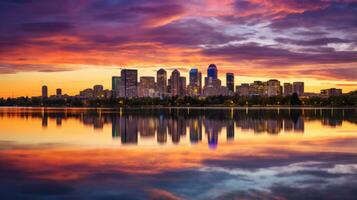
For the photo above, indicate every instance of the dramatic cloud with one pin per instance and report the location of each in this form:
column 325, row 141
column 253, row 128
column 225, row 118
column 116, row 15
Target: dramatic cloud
column 240, row 35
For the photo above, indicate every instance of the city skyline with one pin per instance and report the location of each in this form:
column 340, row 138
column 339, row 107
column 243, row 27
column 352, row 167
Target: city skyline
column 73, row 45
column 130, row 85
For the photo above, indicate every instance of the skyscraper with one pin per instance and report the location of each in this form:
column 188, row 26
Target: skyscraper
column 298, row 88
column 212, row 71
column 129, row 83
column 44, row 91
column 161, row 77
column 182, row 86
column 273, row 87
column 195, row 83
column 116, row 80
column 230, row 82
column 147, row 86
column 288, row 89
column 213, row 86
column 175, row 83
column 199, row 83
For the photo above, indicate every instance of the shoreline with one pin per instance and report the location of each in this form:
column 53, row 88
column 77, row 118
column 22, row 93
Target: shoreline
column 180, row 107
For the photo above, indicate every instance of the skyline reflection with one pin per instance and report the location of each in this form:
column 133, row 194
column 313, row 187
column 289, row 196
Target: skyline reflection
column 127, row 125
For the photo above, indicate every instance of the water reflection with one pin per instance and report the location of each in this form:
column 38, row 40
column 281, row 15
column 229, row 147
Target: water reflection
column 128, row 124
column 258, row 153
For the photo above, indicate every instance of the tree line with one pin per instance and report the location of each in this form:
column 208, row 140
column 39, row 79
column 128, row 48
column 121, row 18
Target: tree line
column 349, row 99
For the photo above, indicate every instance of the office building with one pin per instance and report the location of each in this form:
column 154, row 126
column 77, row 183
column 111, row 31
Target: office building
column 182, row 86
column 273, row 88
column 161, row 77
column 331, row 92
column 212, row 71
column 44, row 91
column 129, row 83
column 243, row 89
column 298, row 88
column 288, row 89
column 258, row 88
column 213, row 86
column 195, row 83
column 147, row 87
column 175, row 83
column 230, row 82
column 116, row 80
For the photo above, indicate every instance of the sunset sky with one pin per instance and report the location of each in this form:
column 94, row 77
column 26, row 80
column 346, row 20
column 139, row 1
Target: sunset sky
column 76, row 44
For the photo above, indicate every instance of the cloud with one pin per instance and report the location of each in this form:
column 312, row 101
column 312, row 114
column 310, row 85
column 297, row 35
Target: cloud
column 313, row 42
column 46, row 27
column 271, row 34
column 277, row 57
column 336, row 16
column 189, row 33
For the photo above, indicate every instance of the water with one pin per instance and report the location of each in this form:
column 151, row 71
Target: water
column 187, row 153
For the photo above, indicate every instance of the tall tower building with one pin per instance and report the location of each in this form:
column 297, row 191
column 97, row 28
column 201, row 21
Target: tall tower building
column 230, row 82
column 195, row 83
column 199, row 83
column 129, row 83
column 298, row 88
column 161, row 77
column 44, row 91
column 212, row 71
column 175, row 83
column 116, row 80
column 182, row 86
column 288, row 89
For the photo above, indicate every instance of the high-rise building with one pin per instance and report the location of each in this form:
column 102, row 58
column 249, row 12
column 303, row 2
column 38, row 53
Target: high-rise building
column 273, row 88
column 298, row 88
column 230, row 82
column 169, row 86
column 58, row 92
column 195, row 83
column 213, row 86
column 212, row 71
column 44, row 91
column 129, row 83
column 199, row 83
column 175, row 83
column 288, row 89
column 98, row 91
column 182, row 86
column 147, row 87
column 161, row 77
column 116, row 80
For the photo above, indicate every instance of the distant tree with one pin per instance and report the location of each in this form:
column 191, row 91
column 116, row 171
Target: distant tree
column 294, row 100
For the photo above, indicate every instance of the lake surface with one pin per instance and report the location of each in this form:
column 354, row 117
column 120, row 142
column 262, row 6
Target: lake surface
column 171, row 153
